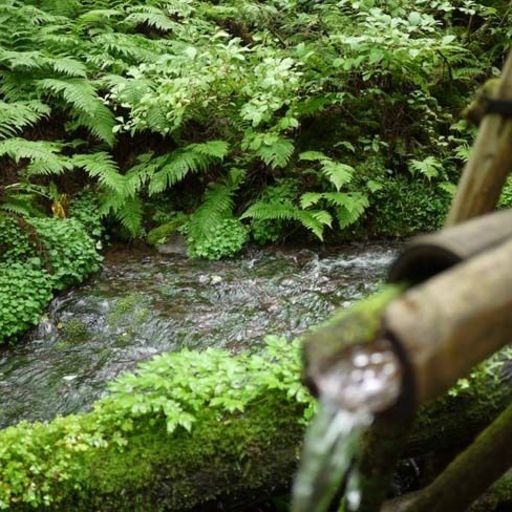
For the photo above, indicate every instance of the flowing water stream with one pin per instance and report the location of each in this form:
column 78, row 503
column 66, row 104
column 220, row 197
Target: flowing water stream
column 142, row 303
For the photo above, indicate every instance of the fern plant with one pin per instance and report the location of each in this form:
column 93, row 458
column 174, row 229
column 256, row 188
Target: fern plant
column 245, row 84
column 212, row 231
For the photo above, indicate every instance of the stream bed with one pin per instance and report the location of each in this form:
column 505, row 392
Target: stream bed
column 143, row 303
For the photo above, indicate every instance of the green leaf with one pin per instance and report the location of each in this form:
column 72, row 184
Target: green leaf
column 337, row 173
column 313, row 156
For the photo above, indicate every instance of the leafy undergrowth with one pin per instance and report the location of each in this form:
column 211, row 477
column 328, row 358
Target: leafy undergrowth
column 288, row 117
column 39, row 256
column 209, row 416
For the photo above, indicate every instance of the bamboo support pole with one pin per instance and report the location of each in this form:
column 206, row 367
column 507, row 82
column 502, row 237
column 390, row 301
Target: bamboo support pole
column 491, row 161
column 454, row 321
column 472, row 472
column 444, row 327
column 428, row 255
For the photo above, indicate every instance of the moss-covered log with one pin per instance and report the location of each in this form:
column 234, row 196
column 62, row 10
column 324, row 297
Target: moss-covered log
column 188, row 428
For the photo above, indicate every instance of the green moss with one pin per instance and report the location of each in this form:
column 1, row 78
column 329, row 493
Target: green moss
column 74, row 331
column 128, row 304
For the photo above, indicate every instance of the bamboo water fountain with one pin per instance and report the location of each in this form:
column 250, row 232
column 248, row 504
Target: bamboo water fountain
column 448, row 308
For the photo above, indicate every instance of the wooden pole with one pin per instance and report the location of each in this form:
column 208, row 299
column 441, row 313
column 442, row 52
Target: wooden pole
column 491, row 160
column 472, row 472
column 454, row 321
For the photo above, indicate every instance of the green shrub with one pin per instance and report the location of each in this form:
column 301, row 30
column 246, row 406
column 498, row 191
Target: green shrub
column 224, row 240
column 37, row 256
column 71, row 252
column 24, row 293
column 404, row 207
column 15, row 243
column 85, row 208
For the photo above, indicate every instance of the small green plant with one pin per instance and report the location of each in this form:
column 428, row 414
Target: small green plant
column 224, row 240
column 71, row 252
column 24, row 293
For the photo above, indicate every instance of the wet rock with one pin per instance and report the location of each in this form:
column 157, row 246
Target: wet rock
column 176, row 245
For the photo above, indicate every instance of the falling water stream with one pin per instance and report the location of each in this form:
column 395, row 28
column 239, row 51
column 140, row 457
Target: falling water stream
column 364, row 382
column 143, row 303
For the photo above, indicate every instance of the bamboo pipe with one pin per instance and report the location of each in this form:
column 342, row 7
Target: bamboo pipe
column 428, row 255
column 491, row 160
column 454, row 320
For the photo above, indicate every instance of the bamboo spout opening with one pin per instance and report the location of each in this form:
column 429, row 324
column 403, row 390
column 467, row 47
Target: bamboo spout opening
column 427, row 256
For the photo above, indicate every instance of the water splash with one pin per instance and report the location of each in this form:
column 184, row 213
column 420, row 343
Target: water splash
column 364, row 382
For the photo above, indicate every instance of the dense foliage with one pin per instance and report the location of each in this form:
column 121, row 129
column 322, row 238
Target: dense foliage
column 209, row 108
column 37, row 256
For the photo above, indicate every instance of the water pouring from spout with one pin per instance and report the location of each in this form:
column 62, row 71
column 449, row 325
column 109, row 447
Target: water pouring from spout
column 362, row 383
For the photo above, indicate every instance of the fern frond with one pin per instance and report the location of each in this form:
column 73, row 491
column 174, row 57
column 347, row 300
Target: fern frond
column 102, row 166
column 430, row 167
column 337, row 173
column 313, row 156
column 277, row 153
column 191, row 159
column 69, row 67
column 315, row 221
column 139, row 175
column 22, row 60
column 97, row 17
column 20, row 204
column 218, row 204
column 91, row 111
column 152, row 17
column 130, row 215
column 131, row 48
column 77, row 92
column 271, row 210
column 213, row 148
column 44, row 156
column 14, row 117
column 354, row 205
column 310, row 199
column 101, row 124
